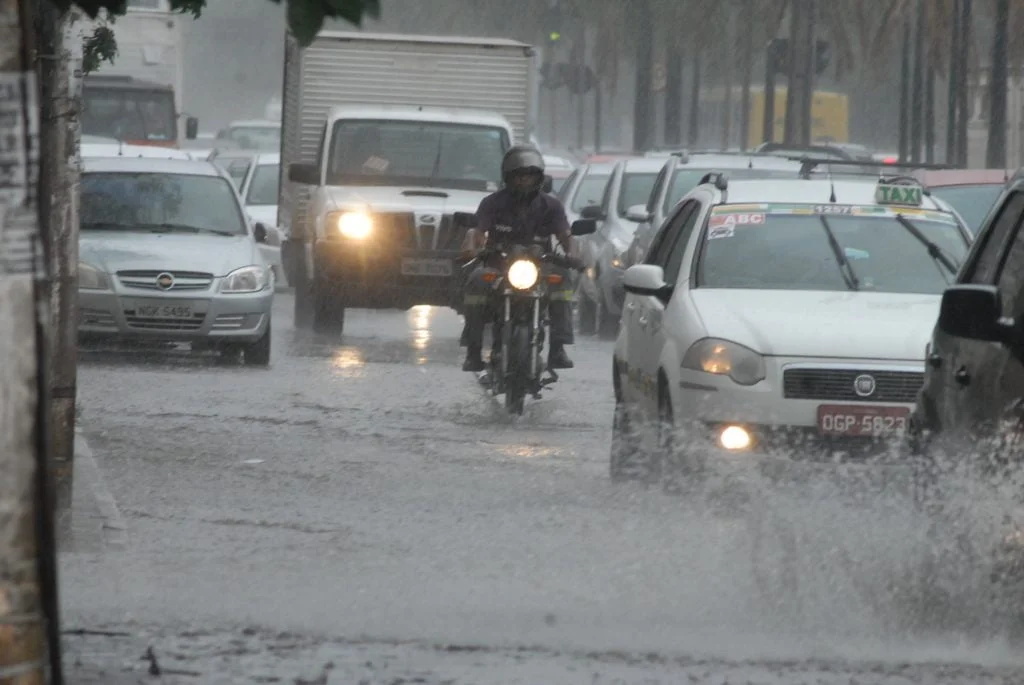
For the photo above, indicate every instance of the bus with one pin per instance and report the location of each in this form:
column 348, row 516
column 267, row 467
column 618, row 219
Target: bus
column 137, row 97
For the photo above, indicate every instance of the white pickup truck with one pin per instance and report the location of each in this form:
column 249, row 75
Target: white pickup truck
column 385, row 138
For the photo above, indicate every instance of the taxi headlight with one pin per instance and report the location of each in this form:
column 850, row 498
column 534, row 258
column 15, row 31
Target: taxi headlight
column 723, row 357
column 355, row 225
column 248, row 279
column 523, row 274
column 91, row 278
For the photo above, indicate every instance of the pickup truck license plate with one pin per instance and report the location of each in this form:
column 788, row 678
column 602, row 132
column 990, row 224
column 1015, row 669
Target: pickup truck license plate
column 857, row 420
column 418, row 266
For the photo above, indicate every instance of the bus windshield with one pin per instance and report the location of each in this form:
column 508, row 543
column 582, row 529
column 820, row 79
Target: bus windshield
column 130, row 115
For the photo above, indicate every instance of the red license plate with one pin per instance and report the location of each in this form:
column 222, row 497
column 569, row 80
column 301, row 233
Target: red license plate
column 857, row 420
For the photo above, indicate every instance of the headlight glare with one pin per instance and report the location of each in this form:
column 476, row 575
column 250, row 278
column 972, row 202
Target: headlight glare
column 523, row 274
column 355, row 225
column 91, row 278
column 725, row 358
column 248, row 279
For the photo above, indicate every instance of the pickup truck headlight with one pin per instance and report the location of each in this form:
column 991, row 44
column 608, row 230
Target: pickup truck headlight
column 248, row 279
column 91, row 278
column 725, row 358
column 354, row 225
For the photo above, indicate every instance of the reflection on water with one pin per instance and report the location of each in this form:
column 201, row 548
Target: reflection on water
column 348, row 359
column 419, row 321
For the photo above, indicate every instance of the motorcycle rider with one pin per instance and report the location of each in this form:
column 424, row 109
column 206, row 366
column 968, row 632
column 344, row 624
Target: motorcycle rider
column 519, row 213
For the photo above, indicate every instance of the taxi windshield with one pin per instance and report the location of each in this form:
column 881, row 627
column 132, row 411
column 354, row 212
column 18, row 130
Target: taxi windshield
column 769, row 248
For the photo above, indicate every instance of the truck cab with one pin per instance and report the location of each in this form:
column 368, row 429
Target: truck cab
column 385, row 185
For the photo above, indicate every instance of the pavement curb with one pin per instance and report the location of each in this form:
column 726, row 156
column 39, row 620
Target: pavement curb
column 113, row 520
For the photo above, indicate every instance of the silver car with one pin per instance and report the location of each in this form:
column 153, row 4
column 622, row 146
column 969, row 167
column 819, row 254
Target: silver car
column 166, row 253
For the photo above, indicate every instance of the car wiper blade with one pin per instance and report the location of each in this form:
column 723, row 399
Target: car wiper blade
column 936, row 252
column 849, row 275
column 169, row 227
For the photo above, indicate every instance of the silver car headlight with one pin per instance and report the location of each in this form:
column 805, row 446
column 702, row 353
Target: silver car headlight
column 92, row 278
column 725, row 358
column 248, row 279
column 523, row 274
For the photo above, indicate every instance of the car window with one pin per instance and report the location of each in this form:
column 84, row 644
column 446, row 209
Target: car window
column 659, row 183
column 1011, row 275
column 590, row 191
column 972, row 202
column 561, row 190
column 123, row 201
column 264, row 185
column 686, row 179
column 786, row 249
column 674, row 260
column 987, row 262
column 606, row 196
column 663, row 243
column 635, row 190
column 236, row 168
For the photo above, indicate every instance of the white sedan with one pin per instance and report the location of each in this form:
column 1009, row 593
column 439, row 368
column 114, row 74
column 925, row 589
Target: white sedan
column 779, row 316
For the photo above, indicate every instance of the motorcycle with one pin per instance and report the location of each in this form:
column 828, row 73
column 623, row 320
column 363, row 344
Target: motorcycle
column 520, row 288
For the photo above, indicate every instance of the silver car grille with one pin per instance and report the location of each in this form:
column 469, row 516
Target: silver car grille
column 183, row 280
column 164, row 324
column 840, row 384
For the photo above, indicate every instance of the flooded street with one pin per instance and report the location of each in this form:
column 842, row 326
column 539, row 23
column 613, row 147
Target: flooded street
column 364, row 504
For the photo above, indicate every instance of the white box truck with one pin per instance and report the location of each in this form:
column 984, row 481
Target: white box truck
column 384, row 138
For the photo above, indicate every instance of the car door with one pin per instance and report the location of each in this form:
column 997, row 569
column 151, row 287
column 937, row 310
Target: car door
column 649, row 328
column 955, row 393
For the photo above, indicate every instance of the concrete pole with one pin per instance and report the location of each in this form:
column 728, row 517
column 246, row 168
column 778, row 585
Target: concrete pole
column 917, row 86
column 22, row 643
column 801, row 76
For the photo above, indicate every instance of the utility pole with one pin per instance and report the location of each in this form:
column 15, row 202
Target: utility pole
column 997, row 85
column 963, row 84
column 694, row 119
column 799, row 93
column 905, row 95
column 747, row 62
column 580, row 50
column 58, row 183
column 673, row 96
column 729, row 60
column 954, row 80
column 22, row 641
column 642, row 110
column 929, row 113
column 917, row 97
column 770, row 67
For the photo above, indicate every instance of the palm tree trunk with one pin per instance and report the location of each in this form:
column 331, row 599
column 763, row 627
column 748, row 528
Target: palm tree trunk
column 642, row 110
column 727, row 64
column 746, row 76
column 917, row 108
column 998, row 76
column 22, row 642
column 905, row 95
column 954, row 79
column 674, row 96
column 694, row 118
column 929, row 114
column 770, row 80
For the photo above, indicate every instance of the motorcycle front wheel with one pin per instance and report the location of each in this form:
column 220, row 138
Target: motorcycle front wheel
column 518, row 375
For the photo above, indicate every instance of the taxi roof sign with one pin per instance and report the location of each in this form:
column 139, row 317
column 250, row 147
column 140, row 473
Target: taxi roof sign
column 899, row 194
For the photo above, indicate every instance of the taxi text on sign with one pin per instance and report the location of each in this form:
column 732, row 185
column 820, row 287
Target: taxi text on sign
column 898, row 195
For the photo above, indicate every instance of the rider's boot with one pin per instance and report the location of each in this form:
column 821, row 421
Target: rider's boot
column 558, row 359
column 474, row 360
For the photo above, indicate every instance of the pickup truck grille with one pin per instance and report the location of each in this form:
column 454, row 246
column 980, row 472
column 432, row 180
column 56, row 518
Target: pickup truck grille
column 839, row 384
column 401, row 231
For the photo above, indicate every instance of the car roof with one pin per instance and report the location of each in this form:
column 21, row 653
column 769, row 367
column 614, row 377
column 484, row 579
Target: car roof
column 642, row 165
column 702, row 160
column 255, row 123
column 810, row 192
column 415, row 113
column 95, row 150
column 599, row 169
column 961, row 177
column 557, row 162
column 151, row 166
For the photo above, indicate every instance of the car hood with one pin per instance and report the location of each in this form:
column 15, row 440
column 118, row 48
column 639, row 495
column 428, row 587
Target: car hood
column 406, row 199
column 783, row 323
column 114, row 251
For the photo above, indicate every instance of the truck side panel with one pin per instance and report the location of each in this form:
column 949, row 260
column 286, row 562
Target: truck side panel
column 347, row 70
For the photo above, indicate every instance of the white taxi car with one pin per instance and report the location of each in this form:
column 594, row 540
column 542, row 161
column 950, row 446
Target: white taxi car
column 779, row 316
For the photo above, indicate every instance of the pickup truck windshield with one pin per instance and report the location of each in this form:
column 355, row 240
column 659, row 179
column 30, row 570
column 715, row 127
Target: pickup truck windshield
column 130, row 115
column 416, row 153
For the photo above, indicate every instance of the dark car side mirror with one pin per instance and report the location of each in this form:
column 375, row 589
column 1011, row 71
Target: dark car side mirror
column 259, row 232
column 464, row 219
column 191, row 128
column 974, row 312
column 592, row 212
column 584, row 227
column 548, row 185
column 306, row 174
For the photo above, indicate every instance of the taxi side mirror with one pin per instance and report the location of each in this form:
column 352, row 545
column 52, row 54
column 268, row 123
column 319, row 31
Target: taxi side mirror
column 645, row 279
column 259, row 232
column 638, row 214
column 974, row 312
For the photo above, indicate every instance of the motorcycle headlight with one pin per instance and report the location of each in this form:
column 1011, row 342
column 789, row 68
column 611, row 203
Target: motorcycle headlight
column 355, row 225
column 523, row 274
column 725, row 358
column 91, row 278
column 248, row 279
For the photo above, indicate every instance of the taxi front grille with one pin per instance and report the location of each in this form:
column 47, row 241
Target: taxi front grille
column 840, row 385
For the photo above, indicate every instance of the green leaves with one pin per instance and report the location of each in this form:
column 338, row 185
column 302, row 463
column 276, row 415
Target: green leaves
column 98, row 48
column 305, row 17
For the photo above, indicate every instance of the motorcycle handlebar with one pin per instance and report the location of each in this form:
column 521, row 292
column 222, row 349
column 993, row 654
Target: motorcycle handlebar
column 551, row 257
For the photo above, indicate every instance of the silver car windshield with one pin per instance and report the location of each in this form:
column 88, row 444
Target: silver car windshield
column 792, row 252
column 118, row 201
